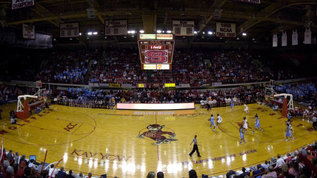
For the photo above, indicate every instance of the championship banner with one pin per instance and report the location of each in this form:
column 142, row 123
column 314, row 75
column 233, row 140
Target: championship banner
column 225, row 30
column 28, row 31
column 183, row 28
column 116, row 27
column 275, row 40
column 284, row 39
column 68, row 30
column 295, row 38
column 17, row 4
column 307, row 36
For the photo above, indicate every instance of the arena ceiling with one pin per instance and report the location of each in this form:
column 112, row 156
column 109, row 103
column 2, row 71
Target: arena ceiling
column 267, row 17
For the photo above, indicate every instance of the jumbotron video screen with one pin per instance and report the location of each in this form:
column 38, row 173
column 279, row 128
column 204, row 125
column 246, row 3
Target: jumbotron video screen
column 156, row 51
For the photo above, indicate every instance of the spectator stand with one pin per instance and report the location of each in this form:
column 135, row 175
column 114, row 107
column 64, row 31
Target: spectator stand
column 304, row 157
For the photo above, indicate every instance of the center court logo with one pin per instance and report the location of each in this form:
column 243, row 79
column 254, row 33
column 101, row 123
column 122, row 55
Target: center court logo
column 155, row 132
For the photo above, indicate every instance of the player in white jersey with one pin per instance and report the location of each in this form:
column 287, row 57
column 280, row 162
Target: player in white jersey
column 246, row 108
column 306, row 114
column 245, row 124
column 219, row 120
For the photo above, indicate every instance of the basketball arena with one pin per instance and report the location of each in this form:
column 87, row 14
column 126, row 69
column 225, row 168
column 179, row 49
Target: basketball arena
column 219, row 88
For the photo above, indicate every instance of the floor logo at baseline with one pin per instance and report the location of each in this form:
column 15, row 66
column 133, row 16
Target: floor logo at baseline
column 102, row 156
column 155, row 132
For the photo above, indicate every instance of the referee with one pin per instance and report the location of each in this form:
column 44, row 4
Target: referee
column 195, row 148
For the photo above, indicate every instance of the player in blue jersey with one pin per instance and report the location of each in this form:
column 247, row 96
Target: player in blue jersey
column 289, row 131
column 257, row 124
column 212, row 122
column 241, row 134
column 231, row 104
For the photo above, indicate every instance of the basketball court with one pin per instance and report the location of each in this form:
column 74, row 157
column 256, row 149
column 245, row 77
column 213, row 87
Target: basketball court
column 122, row 142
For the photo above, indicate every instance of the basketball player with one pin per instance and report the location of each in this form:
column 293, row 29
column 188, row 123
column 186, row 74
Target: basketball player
column 219, row 120
column 209, row 104
column 315, row 122
column 246, row 108
column 289, row 122
column 241, row 135
column 245, row 125
column 231, row 103
column 306, row 115
column 289, row 131
column 212, row 122
column 257, row 124
column 195, row 148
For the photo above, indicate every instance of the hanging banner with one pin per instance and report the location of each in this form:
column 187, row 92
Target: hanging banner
column 307, row 36
column 284, row 39
column 250, row 1
column 67, row 30
column 28, row 31
column 225, row 30
column 275, row 40
column 183, row 28
column 17, row 4
column 116, row 27
column 295, row 38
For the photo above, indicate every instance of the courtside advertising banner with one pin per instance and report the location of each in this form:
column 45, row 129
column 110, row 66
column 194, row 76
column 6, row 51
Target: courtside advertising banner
column 162, row 106
column 116, row 27
column 17, row 4
column 68, row 30
column 225, row 30
column 28, row 31
column 275, row 40
column 295, row 38
column 183, row 28
column 284, row 39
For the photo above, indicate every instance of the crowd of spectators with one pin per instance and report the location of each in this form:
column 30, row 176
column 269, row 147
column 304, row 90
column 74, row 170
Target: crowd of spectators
column 300, row 92
column 190, row 66
column 15, row 165
column 301, row 163
column 194, row 67
column 67, row 67
column 8, row 93
column 107, row 98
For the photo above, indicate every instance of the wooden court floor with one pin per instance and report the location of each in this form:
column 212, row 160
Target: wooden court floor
column 119, row 142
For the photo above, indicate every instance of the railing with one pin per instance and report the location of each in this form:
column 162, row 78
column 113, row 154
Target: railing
column 64, row 86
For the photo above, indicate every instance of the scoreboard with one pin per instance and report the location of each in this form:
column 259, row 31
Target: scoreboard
column 156, row 51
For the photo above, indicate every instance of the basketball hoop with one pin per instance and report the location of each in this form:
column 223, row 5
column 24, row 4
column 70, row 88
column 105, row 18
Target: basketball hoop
column 287, row 106
column 24, row 108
